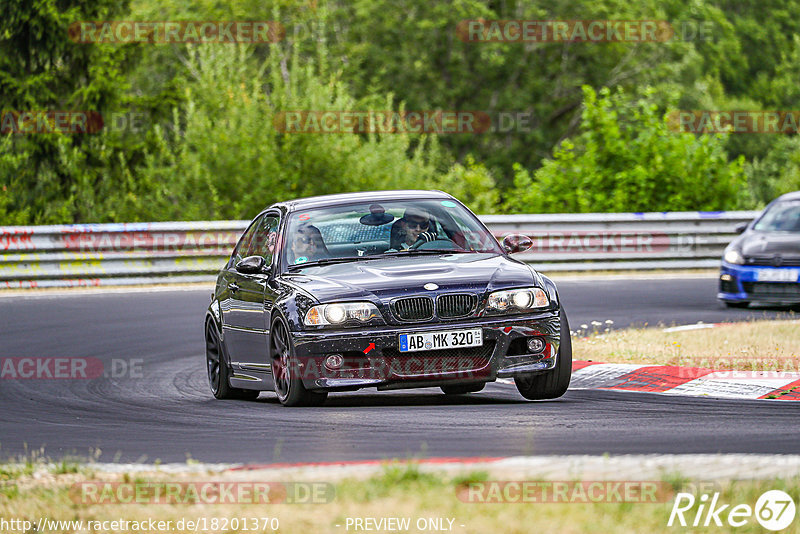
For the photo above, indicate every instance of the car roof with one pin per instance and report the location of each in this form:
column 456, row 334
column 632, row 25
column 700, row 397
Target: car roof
column 347, row 198
column 794, row 195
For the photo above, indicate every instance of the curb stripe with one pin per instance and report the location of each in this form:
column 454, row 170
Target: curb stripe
column 694, row 381
column 659, row 378
column 601, row 375
column 788, row 392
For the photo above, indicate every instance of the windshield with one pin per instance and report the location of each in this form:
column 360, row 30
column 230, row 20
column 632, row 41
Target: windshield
column 377, row 229
column 781, row 217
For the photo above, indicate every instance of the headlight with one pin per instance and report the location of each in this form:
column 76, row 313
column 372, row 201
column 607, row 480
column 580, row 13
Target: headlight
column 733, row 256
column 335, row 313
column 340, row 313
column 517, row 300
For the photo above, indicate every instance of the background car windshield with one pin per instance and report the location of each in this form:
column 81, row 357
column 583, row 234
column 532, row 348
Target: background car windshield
column 375, row 228
column 781, row 217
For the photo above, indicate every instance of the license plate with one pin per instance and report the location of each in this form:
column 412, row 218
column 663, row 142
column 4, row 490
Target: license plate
column 447, row 339
column 777, row 275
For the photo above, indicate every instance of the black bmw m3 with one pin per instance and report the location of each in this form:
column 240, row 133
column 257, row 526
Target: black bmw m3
column 387, row 289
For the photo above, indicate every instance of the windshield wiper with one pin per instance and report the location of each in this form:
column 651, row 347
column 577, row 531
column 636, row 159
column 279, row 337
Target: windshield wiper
column 329, row 261
column 430, row 251
column 407, row 252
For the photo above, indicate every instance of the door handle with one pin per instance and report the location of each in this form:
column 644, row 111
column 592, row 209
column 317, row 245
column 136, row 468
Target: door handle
column 233, row 287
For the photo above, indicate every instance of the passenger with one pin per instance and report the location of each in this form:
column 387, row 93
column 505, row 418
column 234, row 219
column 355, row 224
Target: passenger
column 307, row 245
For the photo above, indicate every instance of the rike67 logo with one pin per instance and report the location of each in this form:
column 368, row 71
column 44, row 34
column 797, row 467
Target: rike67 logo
column 774, row 510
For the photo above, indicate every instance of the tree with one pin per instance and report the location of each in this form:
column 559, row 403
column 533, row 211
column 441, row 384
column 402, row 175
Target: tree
column 55, row 177
column 226, row 155
column 625, row 158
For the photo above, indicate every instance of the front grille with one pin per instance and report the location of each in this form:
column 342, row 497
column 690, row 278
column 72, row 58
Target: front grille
column 770, row 260
column 413, row 308
column 772, row 289
column 430, row 363
column 456, row 305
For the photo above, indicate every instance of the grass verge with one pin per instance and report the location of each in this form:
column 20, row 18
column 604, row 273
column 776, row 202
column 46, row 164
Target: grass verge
column 398, row 491
column 752, row 346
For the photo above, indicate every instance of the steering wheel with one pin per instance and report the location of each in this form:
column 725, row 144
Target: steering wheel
column 439, row 243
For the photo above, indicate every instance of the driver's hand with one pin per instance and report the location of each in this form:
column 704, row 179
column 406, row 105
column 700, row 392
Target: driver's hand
column 424, row 237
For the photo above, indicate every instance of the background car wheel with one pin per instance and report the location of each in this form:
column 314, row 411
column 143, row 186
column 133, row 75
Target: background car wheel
column 462, row 389
column 219, row 372
column 286, row 371
column 731, row 304
column 554, row 383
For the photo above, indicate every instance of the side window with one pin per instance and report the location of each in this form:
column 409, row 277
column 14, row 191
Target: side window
column 240, row 252
column 263, row 241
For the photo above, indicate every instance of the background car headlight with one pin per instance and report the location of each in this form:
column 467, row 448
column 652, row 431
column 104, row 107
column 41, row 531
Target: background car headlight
column 517, row 300
column 340, row 313
column 733, row 256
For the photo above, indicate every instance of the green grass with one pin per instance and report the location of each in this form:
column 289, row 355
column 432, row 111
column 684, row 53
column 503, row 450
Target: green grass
column 398, row 490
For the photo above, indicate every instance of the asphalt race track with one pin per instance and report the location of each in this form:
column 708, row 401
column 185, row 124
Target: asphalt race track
column 169, row 414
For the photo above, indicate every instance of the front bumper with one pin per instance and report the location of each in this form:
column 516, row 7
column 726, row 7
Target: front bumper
column 372, row 358
column 740, row 283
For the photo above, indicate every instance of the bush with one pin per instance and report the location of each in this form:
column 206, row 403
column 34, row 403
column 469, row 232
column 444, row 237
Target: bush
column 625, row 158
column 224, row 158
column 473, row 185
column 775, row 174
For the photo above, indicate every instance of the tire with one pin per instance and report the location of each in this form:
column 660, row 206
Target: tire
column 553, row 383
column 288, row 385
column 219, row 372
column 462, row 389
column 736, row 304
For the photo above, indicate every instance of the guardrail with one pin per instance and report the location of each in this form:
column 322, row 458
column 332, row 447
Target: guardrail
column 180, row 252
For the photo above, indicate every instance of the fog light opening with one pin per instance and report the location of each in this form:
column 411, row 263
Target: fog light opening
column 334, row 361
column 536, row 345
column 726, row 278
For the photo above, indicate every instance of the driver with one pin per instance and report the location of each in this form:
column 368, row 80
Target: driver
column 415, row 225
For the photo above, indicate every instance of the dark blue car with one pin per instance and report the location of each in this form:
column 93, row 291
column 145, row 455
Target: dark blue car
column 763, row 263
column 388, row 289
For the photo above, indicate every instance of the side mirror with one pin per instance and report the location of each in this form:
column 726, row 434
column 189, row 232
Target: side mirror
column 252, row 265
column 741, row 227
column 517, row 243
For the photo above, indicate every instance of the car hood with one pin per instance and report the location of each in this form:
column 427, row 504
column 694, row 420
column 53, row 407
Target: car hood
column 391, row 277
column 756, row 243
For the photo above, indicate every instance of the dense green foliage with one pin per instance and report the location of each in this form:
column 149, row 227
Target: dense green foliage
column 204, row 144
column 625, row 158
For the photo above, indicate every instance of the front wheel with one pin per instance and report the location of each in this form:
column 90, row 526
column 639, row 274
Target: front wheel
column 219, row 372
column 553, row 383
column 286, row 371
